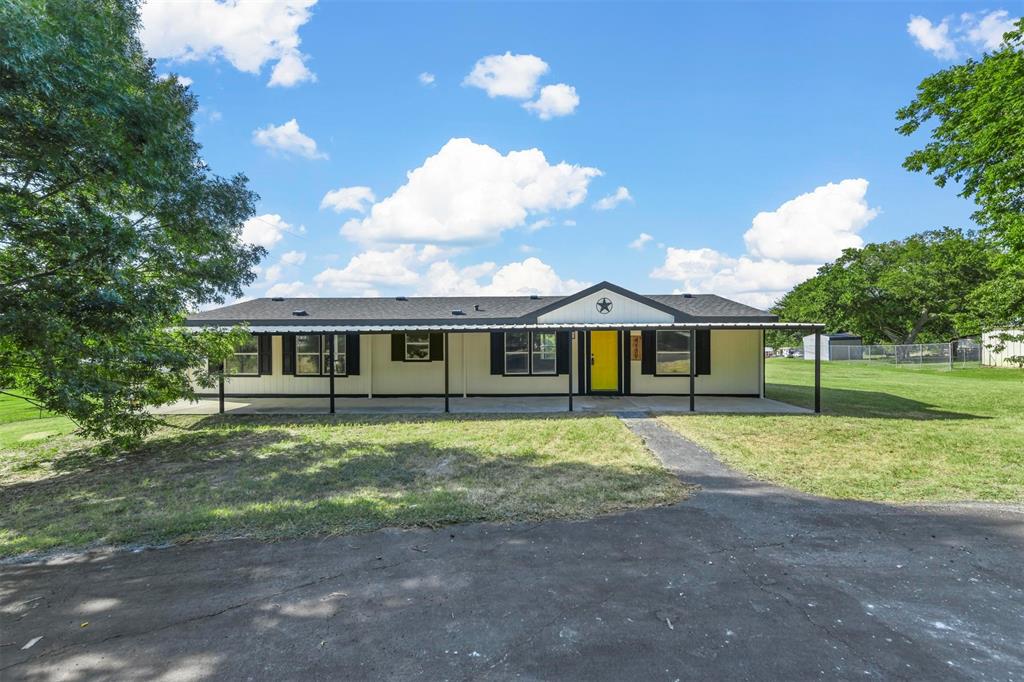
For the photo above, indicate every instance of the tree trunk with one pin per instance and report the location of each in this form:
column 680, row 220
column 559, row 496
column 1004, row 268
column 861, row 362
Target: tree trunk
column 922, row 320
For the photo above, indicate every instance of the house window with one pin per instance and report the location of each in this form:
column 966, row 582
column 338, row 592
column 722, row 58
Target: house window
column 245, row 362
column 307, row 355
column 339, row 354
column 517, row 352
column 543, row 353
column 417, row 346
column 312, row 355
column 530, row 353
column 673, row 352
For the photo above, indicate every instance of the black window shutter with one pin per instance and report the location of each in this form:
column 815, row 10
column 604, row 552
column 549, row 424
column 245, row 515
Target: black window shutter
column 703, row 348
column 288, row 354
column 648, row 351
column 266, row 354
column 563, row 356
column 437, row 346
column 352, row 353
column 497, row 352
column 397, row 347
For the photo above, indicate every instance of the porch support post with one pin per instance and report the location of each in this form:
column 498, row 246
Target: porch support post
column 817, row 371
column 572, row 337
column 220, row 387
column 693, row 370
column 330, row 363
column 446, row 406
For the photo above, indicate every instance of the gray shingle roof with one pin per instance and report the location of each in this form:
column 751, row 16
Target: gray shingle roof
column 383, row 310
column 709, row 306
column 439, row 310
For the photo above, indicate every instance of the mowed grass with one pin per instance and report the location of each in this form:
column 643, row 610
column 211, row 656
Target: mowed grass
column 886, row 434
column 276, row 477
column 21, row 421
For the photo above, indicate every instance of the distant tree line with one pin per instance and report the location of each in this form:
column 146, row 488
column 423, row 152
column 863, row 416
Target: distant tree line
column 941, row 284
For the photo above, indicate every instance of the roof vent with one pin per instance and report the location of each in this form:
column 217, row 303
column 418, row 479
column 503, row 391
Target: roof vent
column 476, row 307
column 277, row 298
column 458, row 312
column 299, row 313
column 401, row 298
column 687, row 295
column 534, row 297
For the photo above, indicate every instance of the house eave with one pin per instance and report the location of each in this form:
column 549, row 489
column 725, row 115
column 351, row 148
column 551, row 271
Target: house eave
column 372, row 328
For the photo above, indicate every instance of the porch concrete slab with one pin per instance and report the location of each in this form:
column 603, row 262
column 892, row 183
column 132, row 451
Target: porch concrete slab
column 486, row 405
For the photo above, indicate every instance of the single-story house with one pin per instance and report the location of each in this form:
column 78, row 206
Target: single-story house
column 836, row 346
column 604, row 340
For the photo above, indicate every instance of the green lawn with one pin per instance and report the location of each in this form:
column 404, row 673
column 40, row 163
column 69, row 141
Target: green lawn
column 22, row 422
column 275, row 477
column 886, row 433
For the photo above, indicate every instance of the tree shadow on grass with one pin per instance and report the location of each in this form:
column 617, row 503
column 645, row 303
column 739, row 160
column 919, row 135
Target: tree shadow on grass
column 870, row 404
column 275, row 482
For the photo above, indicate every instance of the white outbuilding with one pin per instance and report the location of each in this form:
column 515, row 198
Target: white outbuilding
column 838, row 346
column 1011, row 347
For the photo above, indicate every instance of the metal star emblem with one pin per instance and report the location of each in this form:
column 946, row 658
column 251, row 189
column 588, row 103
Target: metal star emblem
column 604, row 306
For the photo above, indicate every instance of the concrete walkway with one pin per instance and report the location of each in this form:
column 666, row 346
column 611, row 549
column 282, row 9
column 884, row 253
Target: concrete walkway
column 744, row 580
column 486, row 405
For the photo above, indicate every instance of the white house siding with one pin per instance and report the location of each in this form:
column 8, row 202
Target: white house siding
column 624, row 309
column 735, row 368
column 993, row 358
column 382, row 376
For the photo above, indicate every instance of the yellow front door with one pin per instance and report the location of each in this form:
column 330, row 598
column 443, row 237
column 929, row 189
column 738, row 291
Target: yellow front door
column 604, row 365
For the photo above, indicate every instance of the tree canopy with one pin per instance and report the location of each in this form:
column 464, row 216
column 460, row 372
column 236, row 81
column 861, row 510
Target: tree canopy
column 977, row 140
column 113, row 226
column 902, row 291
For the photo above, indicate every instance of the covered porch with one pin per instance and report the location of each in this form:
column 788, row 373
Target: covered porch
column 484, row 405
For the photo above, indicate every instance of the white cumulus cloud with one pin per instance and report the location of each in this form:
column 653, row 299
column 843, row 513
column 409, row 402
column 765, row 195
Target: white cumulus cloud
column 932, row 37
column 987, row 31
column 612, row 200
column 290, row 70
column 554, row 100
column 267, row 230
column 295, row 289
column 246, row 34
column 530, row 276
column 348, row 199
column 427, row 78
column 183, row 80
column 371, row 268
column 293, row 258
column 507, row 75
column 813, row 227
column 287, row 139
column 968, row 33
column 640, row 241
column 784, row 247
column 471, row 192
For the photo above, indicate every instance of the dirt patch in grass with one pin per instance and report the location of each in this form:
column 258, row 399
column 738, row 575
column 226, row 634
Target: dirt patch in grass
column 275, row 477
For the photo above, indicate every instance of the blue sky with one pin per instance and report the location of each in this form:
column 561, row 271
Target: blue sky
column 754, row 141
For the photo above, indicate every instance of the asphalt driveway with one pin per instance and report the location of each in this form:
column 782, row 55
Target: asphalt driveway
column 743, row 580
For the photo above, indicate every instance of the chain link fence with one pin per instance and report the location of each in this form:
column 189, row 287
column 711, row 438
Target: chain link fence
column 963, row 353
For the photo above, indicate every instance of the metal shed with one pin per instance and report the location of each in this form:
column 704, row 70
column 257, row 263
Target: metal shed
column 830, row 341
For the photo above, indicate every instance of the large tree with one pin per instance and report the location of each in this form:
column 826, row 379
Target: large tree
column 112, row 225
column 976, row 114
column 902, row 291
